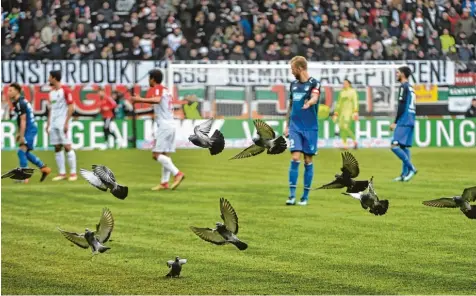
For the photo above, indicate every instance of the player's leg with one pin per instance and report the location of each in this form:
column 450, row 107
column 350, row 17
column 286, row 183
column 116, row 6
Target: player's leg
column 55, row 140
column 30, row 142
column 295, row 145
column 351, row 134
column 21, row 152
column 309, row 150
column 412, row 171
column 400, row 140
column 165, row 144
column 105, row 130
column 343, row 133
column 70, row 154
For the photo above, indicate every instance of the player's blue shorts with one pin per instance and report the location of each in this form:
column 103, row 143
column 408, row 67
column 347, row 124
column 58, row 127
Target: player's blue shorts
column 403, row 135
column 304, row 141
column 30, row 139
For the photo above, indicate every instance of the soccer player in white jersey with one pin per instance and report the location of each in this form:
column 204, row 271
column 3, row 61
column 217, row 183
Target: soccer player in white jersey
column 59, row 126
column 165, row 133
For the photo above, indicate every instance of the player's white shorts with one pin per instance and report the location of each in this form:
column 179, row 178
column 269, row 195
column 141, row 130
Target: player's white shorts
column 164, row 138
column 58, row 137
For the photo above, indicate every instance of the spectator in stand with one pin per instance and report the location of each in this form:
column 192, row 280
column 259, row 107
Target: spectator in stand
column 472, row 109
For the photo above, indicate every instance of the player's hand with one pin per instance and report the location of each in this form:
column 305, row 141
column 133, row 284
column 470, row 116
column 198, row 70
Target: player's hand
column 135, row 98
column 66, row 128
column 334, row 118
column 393, row 126
column 47, row 128
column 17, row 138
column 306, row 106
column 356, row 116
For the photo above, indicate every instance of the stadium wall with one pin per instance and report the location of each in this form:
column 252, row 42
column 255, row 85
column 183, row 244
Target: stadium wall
column 372, row 133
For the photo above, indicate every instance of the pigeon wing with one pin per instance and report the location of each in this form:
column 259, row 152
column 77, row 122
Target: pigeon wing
column 76, row 238
column 209, row 235
column 228, row 215
column 444, row 202
column 354, row 195
column 371, row 188
column 105, row 174
column 264, row 131
column 469, row 194
column 182, row 261
column 170, row 262
column 203, row 128
column 332, row 185
column 105, row 226
column 350, row 164
column 93, row 179
column 250, row 151
column 9, row 174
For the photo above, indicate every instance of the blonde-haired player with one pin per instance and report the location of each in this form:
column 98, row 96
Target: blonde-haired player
column 165, row 134
column 59, row 126
column 302, row 126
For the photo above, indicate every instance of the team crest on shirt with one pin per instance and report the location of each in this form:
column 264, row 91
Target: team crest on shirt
column 298, row 96
column 306, row 88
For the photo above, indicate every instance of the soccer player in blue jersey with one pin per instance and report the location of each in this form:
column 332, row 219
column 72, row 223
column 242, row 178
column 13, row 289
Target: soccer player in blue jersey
column 27, row 130
column 404, row 125
column 301, row 127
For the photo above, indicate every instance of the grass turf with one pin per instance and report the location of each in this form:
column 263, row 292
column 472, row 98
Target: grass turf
column 332, row 246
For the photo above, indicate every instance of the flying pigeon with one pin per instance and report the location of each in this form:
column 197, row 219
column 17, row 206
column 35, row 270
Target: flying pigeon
column 350, row 169
column 175, row 266
column 223, row 233
column 103, row 179
column 266, row 140
column 19, row 173
column 370, row 200
column 200, row 138
column 93, row 239
column 462, row 202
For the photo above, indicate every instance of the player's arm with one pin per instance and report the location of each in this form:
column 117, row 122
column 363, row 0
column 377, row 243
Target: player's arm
column 314, row 97
column 22, row 127
column 355, row 103
column 69, row 100
column 152, row 100
column 401, row 106
column 288, row 113
column 337, row 108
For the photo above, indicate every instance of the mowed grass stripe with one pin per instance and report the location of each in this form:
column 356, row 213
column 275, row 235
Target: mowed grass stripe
column 332, row 246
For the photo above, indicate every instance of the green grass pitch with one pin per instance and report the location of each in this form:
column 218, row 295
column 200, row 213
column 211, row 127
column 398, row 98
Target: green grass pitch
column 332, row 246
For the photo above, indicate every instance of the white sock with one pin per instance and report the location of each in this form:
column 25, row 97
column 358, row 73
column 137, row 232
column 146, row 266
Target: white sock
column 71, row 155
column 165, row 175
column 168, row 164
column 59, row 156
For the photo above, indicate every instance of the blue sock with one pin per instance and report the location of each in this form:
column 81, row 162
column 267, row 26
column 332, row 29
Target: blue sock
column 293, row 177
column 407, row 152
column 22, row 158
column 34, row 159
column 400, row 153
column 308, row 176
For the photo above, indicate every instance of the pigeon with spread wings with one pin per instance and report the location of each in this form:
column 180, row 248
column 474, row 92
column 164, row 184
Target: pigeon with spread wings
column 200, row 138
column 370, row 200
column 175, row 266
column 266, row 140
column 93, row 239
column 19, row 173
column 224, row 232
column 462, row 202
column 350, row 169
column 103, row 179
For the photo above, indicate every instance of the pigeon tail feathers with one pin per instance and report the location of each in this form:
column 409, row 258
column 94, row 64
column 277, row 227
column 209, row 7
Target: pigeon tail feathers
column 218, row 142
column 240, row 245
column 381, row 208
column 120, row 191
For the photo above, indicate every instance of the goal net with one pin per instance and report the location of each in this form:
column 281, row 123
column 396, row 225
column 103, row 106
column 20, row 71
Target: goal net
column 260, row 90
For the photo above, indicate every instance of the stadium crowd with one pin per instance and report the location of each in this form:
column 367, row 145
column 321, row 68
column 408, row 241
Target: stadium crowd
column 238, row 29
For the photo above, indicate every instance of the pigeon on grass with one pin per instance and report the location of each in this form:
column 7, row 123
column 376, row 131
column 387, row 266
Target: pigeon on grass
column 93, row 239
column 462, row 202
column 19, row 173
column 266, row 140
column 175, row 267
column 200, row 138
column 350, row 169
column 224, row 233
column 371, row 201
column 103, row 179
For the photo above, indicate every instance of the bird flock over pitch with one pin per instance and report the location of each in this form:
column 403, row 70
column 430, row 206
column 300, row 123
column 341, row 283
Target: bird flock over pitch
column 102, row 178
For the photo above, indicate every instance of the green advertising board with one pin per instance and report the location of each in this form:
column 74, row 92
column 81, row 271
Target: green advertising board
column 88, row 134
